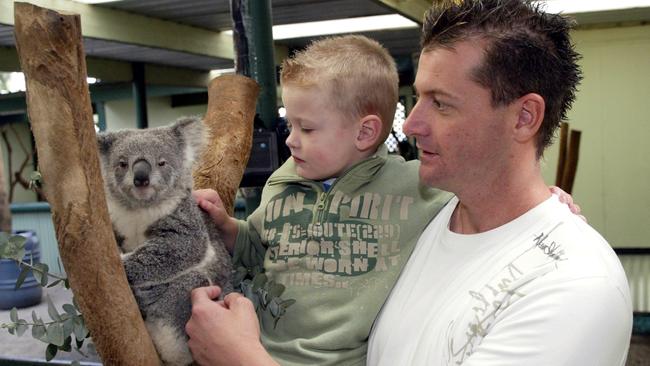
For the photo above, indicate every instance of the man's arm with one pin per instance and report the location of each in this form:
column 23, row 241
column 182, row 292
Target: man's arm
column 225, row 332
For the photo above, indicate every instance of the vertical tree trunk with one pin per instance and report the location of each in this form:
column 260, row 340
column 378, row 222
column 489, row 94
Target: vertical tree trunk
column 5, row 213
column 230, row 114
column 52, row 57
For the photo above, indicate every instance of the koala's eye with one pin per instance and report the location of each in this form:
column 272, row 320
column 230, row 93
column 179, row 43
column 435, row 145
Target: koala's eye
column 123, row 164
column 162, row 163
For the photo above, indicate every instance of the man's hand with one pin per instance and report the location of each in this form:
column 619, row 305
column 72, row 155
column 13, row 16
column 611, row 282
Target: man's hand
column 224, row 332
column 567, row 200
column 210, row 202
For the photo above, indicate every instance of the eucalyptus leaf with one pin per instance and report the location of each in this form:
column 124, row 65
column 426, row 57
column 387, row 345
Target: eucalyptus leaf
column 55, row 334
column 13, row 315
column 50, row 352
column 70, row 309
column 51, row 309
column 54, row 283
column 67, row 345
column 18, row 241
column 259, row 281
column 21, row 327
column 68, row 327
column 21, row 277
column 276, row 290
column 43, row 269
column 38, row 332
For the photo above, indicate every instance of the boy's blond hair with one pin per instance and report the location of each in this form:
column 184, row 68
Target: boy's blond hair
column 357, row 73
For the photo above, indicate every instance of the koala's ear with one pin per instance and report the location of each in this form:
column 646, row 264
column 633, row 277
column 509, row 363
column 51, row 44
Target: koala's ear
column 191, row 131
column 105, row 142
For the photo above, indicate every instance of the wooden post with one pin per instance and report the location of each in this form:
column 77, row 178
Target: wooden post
column 571, row 166
column 561, row 158
column 5, row 212
column 229, row 118
column 58, row 102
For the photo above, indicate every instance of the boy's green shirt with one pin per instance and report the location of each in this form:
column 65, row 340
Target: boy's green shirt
column 338, row 253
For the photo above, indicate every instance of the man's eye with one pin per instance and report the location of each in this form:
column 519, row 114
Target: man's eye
column 439, row 105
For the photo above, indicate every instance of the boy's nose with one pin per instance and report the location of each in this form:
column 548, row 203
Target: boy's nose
column 292, row 140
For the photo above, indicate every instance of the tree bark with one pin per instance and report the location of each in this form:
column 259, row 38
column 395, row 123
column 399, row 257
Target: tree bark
column 58, row 102
column 229, row 119
column 5, row 213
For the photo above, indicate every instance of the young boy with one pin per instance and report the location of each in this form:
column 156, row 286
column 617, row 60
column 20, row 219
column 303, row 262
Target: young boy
column 339, row 219
column 336, row 222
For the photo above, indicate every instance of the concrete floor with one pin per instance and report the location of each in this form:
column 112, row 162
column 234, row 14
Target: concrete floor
column 25, row 348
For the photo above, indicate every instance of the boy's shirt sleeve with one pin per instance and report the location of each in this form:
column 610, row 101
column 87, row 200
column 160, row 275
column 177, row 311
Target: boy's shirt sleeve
column 249, row 249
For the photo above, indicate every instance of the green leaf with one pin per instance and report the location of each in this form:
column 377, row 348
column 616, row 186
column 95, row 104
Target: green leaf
column 18, row 241
column 21, row 277
column 79, row 329
column 38, row 331
column 70, row 309
column 42, row 269
column 13, row 315
column 34, row 316
column 50, row 352
column 286, row 303
column 54, row 283
column 259, row 281
column 21, row 327
column 51, row 309
column 55, row 334
column 68, row 327
column 276, row 290
column 79, row 342
column 67, row 345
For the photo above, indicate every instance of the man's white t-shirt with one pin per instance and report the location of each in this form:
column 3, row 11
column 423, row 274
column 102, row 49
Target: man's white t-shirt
column 545, row 289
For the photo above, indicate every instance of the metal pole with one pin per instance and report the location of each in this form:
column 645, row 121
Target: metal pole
column 140, row 95
column 253, row 38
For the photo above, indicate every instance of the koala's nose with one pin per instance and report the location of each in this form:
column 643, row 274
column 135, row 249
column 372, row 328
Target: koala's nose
column 141, row 171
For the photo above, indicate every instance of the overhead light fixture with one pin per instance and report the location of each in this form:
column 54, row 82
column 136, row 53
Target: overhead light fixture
column 586, row 6
column 338, row 26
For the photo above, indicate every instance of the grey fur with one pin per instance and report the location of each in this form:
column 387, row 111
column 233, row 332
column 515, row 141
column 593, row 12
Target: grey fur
column 169, row 245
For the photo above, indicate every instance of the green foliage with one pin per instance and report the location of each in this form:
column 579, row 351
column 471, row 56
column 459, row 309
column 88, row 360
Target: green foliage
column 57, row 333
column 265, row 294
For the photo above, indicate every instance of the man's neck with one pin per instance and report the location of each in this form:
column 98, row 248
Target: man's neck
column 493, row 204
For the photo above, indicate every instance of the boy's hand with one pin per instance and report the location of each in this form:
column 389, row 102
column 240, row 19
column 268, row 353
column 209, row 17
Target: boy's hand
column 567, row 200
column 224, row 332
column 210, row 202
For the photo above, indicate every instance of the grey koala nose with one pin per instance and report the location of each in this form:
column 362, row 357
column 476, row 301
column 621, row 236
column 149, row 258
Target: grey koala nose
column 141, row 171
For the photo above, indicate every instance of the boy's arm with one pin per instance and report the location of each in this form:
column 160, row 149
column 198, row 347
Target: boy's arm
column 210, row 202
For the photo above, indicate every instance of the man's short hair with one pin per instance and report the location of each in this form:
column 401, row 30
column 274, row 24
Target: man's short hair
column 357, row 73
column 527, row 51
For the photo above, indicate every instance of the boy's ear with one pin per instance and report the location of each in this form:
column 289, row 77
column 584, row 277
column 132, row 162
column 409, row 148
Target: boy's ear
column 530, row 114
column 368, row 133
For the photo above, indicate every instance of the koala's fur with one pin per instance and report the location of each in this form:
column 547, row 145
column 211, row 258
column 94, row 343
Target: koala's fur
column 169, row 245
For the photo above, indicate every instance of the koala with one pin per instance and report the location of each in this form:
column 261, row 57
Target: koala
column 169, row 245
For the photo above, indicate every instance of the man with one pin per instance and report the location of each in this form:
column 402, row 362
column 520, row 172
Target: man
column 504, row 275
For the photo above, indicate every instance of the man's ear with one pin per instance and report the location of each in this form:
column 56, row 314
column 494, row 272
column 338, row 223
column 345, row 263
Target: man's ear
column 530, row 114
column 368, row 133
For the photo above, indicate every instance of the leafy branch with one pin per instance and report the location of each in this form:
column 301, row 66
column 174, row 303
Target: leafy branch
column 265, row 294
column 57, row 333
